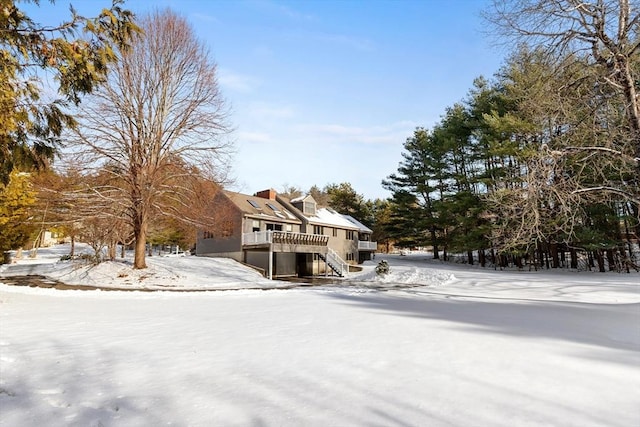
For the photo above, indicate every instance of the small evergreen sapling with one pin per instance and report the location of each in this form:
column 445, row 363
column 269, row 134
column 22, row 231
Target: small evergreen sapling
column 382, row 268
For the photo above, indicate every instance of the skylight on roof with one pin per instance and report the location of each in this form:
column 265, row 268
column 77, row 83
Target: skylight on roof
column 254, row 204
column 289, row 214
column 273, row 207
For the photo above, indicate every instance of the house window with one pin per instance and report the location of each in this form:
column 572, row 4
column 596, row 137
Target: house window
column 255, row 226
column 318, row 229
column 309, row 208
column 335, row 232
column 274, row 227
column 350, row 234
column 207, row 235
column 351, row 257
column 288, row 227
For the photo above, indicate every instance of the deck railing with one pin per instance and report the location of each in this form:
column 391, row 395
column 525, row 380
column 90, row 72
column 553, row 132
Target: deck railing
column 367, row 246
column 286, row 237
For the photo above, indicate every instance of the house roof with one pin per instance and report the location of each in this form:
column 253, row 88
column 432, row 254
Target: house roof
column 305, row 198
column 260, row 207
column 282, row 210
column 327, row 216
column 363, row 228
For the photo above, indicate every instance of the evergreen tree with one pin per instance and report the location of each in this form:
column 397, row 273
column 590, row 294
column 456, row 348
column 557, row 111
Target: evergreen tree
column 420, row 181
column 344, row 199
column 77, row 52
column 17, row 198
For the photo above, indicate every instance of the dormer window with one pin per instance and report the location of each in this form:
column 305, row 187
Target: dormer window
column 309, row 208
column 307, row 205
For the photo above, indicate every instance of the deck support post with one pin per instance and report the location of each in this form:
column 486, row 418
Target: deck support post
column 270, row 261
column 326, row 265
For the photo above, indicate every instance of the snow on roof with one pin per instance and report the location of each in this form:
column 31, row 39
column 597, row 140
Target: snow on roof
column 328, row 216
column 304, row 197
column 358, row 224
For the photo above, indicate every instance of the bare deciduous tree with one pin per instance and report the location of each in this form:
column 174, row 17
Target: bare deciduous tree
column 605, row 32
column 608, row 30
column 604, row 36
column 157, row 121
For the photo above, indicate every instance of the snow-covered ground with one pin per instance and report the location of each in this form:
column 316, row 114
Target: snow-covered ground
column 428, row 345
column 163, row 272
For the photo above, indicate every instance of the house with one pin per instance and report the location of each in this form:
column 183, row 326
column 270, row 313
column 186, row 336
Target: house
column 284, row 237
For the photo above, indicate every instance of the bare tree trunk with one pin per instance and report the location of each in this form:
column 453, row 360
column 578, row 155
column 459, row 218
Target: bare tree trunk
column 628, row 236
column 624, row 265
column 611, row 259
column 504, row 261
column 111, row 249
column 553, row 249
column 600, row 260
column 434, row 242
column 574, row 258
column 140, row 234
column 546, row 258
column 635, row 212
column 517, row 260
column 445, row 253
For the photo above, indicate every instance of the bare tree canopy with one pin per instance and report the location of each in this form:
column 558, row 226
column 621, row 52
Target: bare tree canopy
column 605, row 31
column 158, row 122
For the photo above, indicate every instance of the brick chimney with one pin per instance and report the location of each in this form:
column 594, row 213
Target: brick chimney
column 267, row 194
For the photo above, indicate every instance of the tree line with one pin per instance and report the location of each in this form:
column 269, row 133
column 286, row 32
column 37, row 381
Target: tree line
column 543, row 160
column 539, row 164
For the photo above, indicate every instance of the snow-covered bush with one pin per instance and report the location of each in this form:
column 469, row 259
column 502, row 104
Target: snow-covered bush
column 382, row 268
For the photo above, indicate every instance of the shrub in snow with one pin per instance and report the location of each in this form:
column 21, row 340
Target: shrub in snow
column 382, row 268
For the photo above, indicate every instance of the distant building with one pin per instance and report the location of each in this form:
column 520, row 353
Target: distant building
column 284, row 237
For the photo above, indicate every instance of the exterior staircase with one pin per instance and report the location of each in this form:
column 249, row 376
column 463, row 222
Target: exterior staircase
column 337, row 264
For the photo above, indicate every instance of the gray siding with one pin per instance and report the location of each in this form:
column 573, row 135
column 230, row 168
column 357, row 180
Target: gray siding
column 218, row 246
column 284, row 263
column 259, row 259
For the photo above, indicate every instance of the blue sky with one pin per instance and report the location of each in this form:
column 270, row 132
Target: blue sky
column 328, row 91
